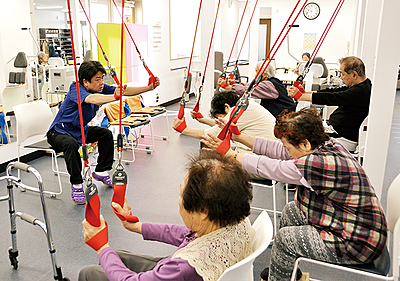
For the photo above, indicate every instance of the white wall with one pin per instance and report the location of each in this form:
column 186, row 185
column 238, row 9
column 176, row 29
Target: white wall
column 50, row 19
column 337, row 42
column 13, row 16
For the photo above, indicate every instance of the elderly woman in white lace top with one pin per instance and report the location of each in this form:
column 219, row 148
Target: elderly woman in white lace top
column 214, row 204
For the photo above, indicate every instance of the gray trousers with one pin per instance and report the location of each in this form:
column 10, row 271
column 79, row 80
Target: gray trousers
column 296, row 239
column 136, row 263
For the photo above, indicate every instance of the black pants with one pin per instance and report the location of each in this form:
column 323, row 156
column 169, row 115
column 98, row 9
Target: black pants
column 69, row 146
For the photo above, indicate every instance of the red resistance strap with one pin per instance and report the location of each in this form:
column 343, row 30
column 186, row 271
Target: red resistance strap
column 152, row 78
column 120, row 181
column 181, row 112
column 92, row 212
column 225, row 145
column 226, row 84
column 196, row 108
column 182, row 104
column 226, row 132
column 299, row 81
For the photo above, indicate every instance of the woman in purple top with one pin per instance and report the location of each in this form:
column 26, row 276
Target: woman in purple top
column 336, row 215
column 214, row 202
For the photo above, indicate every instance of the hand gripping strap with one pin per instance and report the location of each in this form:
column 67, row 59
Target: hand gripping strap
column 198, row 115
column 119, row 186
column 300, row 91
column 99, row 240
column 92, row 211
column 234, row 130
column 152, row 80
column 196, row 112
column 226, row 84
column 225, row 145
column 181, row 127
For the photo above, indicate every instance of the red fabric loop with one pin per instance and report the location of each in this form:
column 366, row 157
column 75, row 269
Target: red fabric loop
column 232, row 82
column 226, row 84
column 152, row 80
column 124, row 217
column 297, row 95
column 225, row 145
column 99, row 240
column 181, row 127
column 92, row 212
column 198, row 115
column 234, row 130
column 181, row 112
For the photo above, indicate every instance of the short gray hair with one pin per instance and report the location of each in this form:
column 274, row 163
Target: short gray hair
column 269, row 72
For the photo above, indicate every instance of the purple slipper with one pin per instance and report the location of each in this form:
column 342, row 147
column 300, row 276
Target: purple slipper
column 78, row 196
column 105, row 179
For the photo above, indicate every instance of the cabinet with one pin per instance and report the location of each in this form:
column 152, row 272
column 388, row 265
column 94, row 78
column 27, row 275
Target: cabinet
column 58, row 42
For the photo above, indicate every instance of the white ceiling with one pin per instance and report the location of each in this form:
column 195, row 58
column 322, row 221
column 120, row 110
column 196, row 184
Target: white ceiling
column 63, row 3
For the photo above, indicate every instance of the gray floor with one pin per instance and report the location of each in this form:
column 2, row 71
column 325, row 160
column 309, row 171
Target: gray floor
column 152, row 192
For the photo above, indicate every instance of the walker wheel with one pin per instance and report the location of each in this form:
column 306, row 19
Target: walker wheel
column 13, row 258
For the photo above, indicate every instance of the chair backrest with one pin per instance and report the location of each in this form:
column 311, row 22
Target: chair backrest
column 243, row 270
column 20, row 62
column 362, row 137
column 393, row 210
column 321, row 61
column 56, row 61
column 33, row 120
column 12, row 96
column 134, row 102
column 392, row 216
column 112, row 111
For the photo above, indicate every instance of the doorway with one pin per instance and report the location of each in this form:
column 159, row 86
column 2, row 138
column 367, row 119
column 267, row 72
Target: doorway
column 264, row 38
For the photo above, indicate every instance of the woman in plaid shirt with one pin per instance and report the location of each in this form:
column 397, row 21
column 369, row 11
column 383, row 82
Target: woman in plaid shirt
column 336, row 215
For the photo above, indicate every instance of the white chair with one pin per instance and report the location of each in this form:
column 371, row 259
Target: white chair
column 243, row 270
column 271, row 185
column 135, row 105
column 33, row 120
column 11, row 96
column 378, row 270
column 362, row 137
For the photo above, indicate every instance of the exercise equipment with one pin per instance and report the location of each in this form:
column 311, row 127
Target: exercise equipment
column 92, row 211
column 45, row 226
column 241, row 105
column 186, row 90
column 299, row 81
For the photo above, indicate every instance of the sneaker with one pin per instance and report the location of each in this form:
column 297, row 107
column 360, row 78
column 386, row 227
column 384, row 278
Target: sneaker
column 105, row 179
column 77, row 194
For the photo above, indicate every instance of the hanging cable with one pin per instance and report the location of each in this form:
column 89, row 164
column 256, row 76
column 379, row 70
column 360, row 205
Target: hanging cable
column 92, row 211
column 299, row 81
column 152, row 78
column 112, row 72
column 197, row 114
column 243, row 102
column 231, row 75
column 120, row 178
column 186, row 90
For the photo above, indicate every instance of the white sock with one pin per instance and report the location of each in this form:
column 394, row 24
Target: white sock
column 103, row 174
column 79, row 185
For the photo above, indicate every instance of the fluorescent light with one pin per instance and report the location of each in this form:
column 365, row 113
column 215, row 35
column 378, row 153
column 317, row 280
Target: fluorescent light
column 49, row 7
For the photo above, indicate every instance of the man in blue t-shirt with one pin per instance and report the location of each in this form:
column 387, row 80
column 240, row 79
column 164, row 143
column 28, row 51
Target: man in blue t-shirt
column 65, row 131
